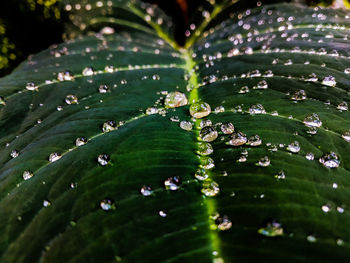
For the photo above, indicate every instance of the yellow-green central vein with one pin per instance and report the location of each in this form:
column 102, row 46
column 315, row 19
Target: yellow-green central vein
column 209, row 202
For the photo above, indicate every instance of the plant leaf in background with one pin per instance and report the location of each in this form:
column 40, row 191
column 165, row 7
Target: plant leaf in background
column 120, row 146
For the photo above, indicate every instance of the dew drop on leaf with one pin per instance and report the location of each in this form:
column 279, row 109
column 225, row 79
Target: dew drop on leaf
column 346, row 136
column 146, row 190
column 103, row 159
column 172, row 183
column 257, row 109
column 71, row 99
column 311, row 238
column 175, row 99
column 31, row 86
column 186, row 125
column 227, row 128
column 107, row 204
column 201, row 174
column 205, row 123
column 294, row 147
column 65, row 75
column 200, row 110
column 313, row 120
column 151, row 110
column 46, row 203
column 310, row 156
column 264, row 162
column 27, row 175
column 254, row 140
column 205, row 148
column 103, row 89
column 88, row 71
column 238, row 139
column 162, row 213
column 330, row 160
column 210, row 188
column 223, row 223
column 343, row 106
column 280, row 176
column 14, row 153
column 54, row 157
column 272, row 229
column 208, row 134
column 80, row 141
column 299, row 95
column 206, row 162
column 329, row 81
column 109, row 126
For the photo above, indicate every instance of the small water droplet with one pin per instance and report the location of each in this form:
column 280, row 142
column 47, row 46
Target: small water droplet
column 31, row 86
column 227, row 128
column 107, row 204
column 223, row 223
column 343, row 106
column 103, row 159
column 210, row 188
column 146, row 190
column 310, row 156
column 329, row 81
column 272, row 229
column 54, row 157
column 294, row 147
column 186, row 125
column 264, row 162
column 151, row 110
column 243, row 90
column 206, row 162
column 257, row 109
column 340, row 242
column 88, row 71
column 238, row 139
column 103, row 89
column 71, row 99
column 172, row 183
column 346, row 136
column 46, row 203
column 200, row 110
column 340, row 209
column 311, row 238
column 109, row 126
column 347, row 71
column 201, row 174
column 205, row 123
column 205, row 148
column 262, row 84
column 175, row 99
column 162, row 213
column 155, row 77
column 208, row 134
column 65, row 75
column 326, row 208
column 330, row 160
column 80, row 141
column 219, row 109
column 27, row 175
column 313, row 120
column 254, row 140
column 14, row 153
column 299, row 95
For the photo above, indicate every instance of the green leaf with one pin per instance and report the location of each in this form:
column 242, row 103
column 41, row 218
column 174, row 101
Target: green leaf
column 98, row 165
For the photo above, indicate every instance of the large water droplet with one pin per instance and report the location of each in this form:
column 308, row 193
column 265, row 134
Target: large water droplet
column 330, row 160
column 172, row 183
column 54, row 157
column 175, row 99
column 206, row 162
column 272, row 229
column 27, row 175
column 329, row 81
column 201, row 174
column 313, row 120
column 294, row 147
column 205, row 148
column 210, row 188
column 109, row 126
column 238, row 139
column 146, row 190
column 227, row 128
column 208, row 134
column 71, row 99
column 103, row 159
column 200, row 109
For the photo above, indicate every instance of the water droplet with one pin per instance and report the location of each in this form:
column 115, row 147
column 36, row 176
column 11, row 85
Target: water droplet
column 146, row 190
column 343, row 106
column 103, row 89
column 330, row 160
column 27, row 175
column 205, row 148
column 227, row 128
column 201, row 174
column 80, row 141
column 238, row 139
column 155, row 77
column 264, row 162
column 313, row 120
column 162, row 213
column 347, row 71
column 219, row 109
column 326, row 208
column 71, row 99
column 254, row 140
column 223, row 223
column 299, row 95
column 340, row 209
column 54, row 157
column 280, row 176
column 186, row 125
column 210, row 188
column 340, row 242
column 329, row 81
column 14, row 153
column 208, row 134
column 88, row 71
column 243, row 90
column 31, row 86
column 175, row 99
column 200, row 110
column 294, row 147
column 257, row 109
column 262, row 84
column 2, row 100
column 151, row 110
column 46, row 203
column 205, row 123
column 109, row 126
column 103, row 159
column 59, row 108
column 311, row 238
column 65, row 75
column 272, row 229
column 206, row 162
column 172, row 183
column 346, row 136
column 310, row 156
column 107, row 204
